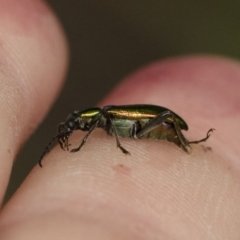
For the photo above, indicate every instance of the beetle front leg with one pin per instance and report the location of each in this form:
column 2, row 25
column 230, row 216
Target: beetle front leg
column 86, row 137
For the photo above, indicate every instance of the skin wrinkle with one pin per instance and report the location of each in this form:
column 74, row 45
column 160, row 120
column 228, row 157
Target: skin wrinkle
column 18, row 83
column 150, row 190
column 135, row 231
column 12, row 91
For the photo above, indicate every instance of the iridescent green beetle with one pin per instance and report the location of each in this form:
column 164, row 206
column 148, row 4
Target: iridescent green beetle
column 127, row 121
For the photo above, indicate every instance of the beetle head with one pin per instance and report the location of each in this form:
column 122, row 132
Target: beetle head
column 65, row 130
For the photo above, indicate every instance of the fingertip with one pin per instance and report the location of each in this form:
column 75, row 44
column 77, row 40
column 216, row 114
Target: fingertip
column 179, row 194
column 188, row 83
column 33, row 62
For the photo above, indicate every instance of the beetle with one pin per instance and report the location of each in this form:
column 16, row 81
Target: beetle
column 128, row 121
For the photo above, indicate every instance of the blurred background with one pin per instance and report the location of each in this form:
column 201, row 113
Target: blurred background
column 110, row 39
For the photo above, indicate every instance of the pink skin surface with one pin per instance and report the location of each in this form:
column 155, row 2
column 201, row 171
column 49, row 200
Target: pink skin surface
column 159, row 192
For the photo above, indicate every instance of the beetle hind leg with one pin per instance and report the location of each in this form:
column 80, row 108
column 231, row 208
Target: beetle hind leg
column 160, row 119
column 204, row 139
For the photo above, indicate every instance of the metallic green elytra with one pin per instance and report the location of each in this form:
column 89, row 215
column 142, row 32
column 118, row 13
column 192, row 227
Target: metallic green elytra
column 127, row 121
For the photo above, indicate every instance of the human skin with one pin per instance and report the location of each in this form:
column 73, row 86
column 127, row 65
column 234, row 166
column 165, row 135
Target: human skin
column 159, row 192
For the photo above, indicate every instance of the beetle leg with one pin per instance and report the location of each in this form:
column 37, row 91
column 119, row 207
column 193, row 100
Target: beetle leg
column 135, row 128
column 183, row 140
column 161, row 118
column 204, row 139
column 117, row 138
column 86, row 137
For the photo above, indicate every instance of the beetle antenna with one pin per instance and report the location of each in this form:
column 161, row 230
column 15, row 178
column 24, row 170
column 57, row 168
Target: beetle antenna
column 47, row 148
